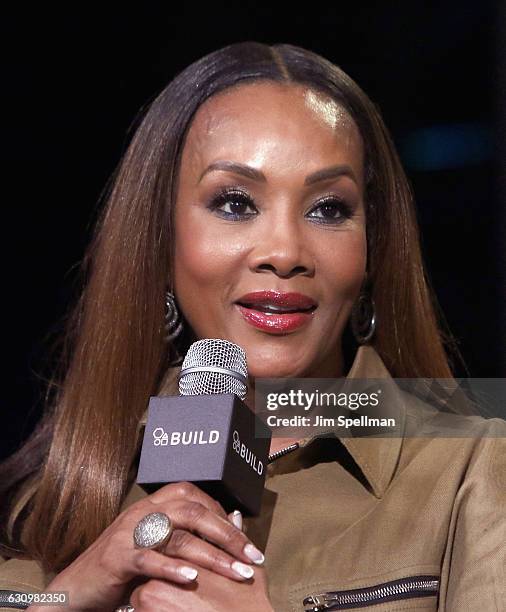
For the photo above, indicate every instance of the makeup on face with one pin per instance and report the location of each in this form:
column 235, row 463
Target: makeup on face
column 270, row 226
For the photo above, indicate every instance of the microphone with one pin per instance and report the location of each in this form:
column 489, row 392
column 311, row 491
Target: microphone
column 207, row 435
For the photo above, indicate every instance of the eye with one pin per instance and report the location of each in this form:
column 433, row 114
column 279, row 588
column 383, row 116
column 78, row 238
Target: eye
column 332, row 210
column 236, row 201
column 234, row 204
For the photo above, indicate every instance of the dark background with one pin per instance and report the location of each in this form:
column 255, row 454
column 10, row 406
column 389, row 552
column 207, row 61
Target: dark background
column 73, row 83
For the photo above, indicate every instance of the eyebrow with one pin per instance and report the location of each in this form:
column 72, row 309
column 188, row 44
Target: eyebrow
column 252, row 173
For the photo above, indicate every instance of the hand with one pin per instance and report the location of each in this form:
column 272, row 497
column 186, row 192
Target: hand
column 99, row 578
column 211, row 593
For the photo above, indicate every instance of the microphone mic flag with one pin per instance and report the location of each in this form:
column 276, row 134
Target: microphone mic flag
column 207, row 435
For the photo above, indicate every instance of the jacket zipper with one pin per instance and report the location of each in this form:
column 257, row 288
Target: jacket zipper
column 283, row 451
column 403, row 588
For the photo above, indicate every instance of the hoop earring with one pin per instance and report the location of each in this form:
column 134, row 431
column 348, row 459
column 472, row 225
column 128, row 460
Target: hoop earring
column 174, row 324
column 173, row 327
column 363, row 319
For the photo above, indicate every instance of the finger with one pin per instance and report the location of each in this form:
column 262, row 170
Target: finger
column 198, row 519
column 235, row 518
column 187, row 491
column 193, row 549
column 122, row 564
column 154, row 564
column 156, row 595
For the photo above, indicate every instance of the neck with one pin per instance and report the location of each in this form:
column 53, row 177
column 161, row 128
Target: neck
column 326, row 368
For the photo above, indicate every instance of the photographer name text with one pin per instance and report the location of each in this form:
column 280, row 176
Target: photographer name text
column 320, row 421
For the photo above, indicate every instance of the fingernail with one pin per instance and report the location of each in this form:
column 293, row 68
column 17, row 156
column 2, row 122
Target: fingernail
column 246, row 571
column 188, row 572
column 254, row 554
column 237, row 519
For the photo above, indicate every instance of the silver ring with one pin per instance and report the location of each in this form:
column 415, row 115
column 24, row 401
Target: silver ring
column 153, row 531
column 125, row 608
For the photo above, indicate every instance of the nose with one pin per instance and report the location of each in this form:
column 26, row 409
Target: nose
column 282, row 248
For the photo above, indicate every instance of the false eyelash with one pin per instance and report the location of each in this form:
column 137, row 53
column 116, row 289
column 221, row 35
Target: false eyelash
column 225, row 193
column 344, row 208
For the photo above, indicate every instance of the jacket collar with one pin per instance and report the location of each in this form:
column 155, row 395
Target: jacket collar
column 376, row 457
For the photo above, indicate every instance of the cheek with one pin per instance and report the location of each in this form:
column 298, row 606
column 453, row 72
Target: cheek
column 193, row 257
column 344, row 264
column 204, row 260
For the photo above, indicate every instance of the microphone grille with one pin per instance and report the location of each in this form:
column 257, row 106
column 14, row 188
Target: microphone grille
column 214, row 366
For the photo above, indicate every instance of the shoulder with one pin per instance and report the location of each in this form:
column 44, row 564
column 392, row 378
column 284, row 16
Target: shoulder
column 23, row 575
column 470, row 443
column 487, row 464
column 424, row 418
column 474, row 559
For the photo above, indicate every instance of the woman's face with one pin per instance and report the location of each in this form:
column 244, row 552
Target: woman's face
column 288, row 218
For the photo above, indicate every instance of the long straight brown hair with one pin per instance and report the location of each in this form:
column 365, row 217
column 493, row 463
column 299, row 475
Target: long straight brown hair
column 66, row 484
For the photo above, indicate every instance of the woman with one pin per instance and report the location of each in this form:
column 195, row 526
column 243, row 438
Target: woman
column 257, row 169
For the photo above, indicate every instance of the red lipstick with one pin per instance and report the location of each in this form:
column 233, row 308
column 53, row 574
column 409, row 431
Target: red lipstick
column 276, row 312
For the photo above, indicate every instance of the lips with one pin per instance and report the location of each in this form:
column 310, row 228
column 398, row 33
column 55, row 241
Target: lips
column 277, row 303
column 275, row 312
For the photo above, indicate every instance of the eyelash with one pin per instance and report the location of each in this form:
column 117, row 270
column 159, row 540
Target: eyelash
column 224, row 196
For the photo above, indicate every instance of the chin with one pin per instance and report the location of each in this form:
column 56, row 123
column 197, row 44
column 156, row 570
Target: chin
column 273, row 370
column 270, row 359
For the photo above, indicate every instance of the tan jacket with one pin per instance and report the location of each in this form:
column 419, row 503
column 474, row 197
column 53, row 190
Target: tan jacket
column 343, row 516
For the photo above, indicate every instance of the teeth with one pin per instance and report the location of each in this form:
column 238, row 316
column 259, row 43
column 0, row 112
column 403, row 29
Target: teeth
column 274, row 309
